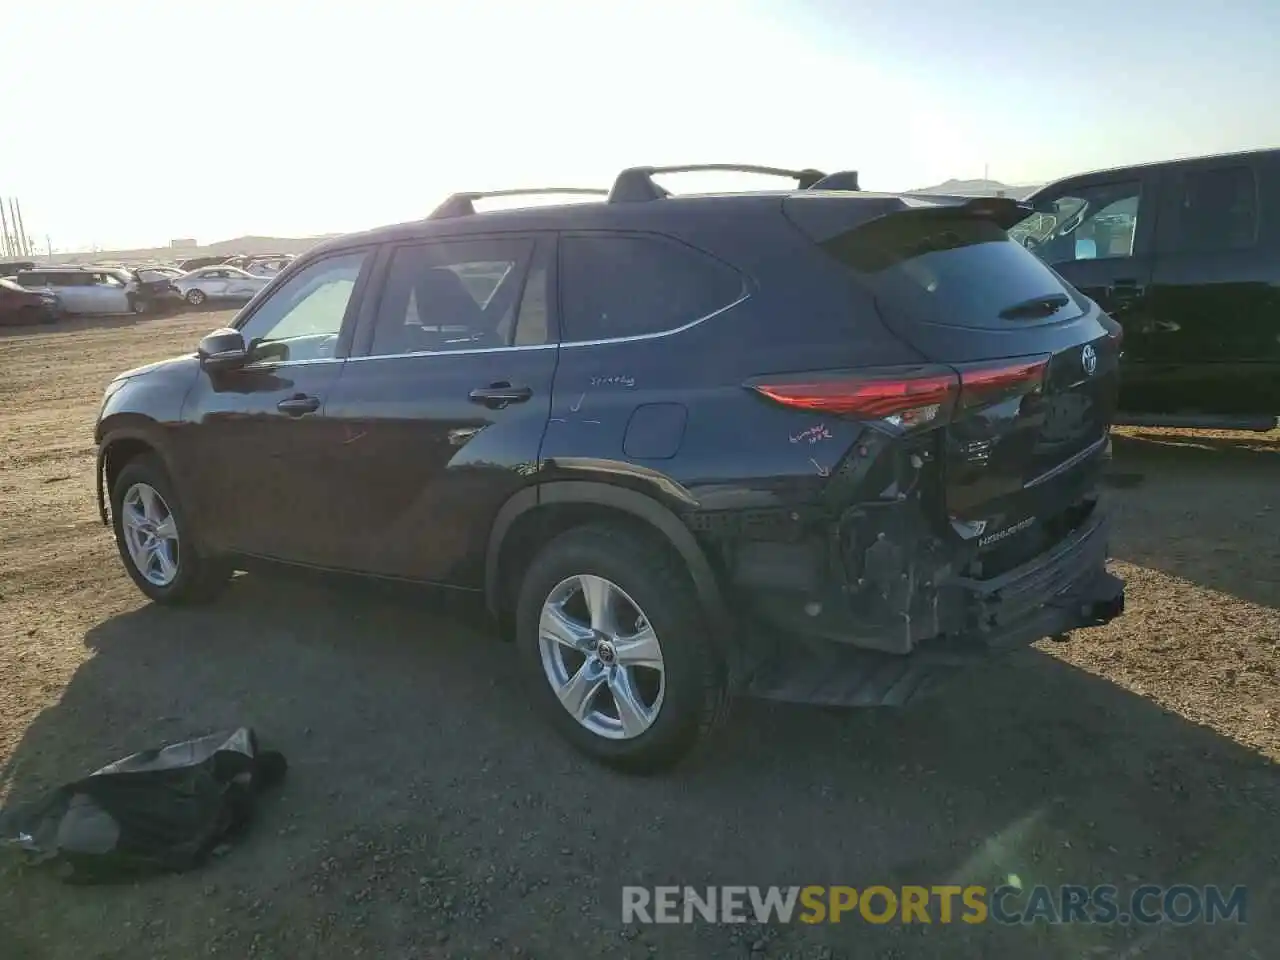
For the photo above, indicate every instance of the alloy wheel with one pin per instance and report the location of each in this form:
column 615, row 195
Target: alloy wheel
column 150, row 534
column 602, row 657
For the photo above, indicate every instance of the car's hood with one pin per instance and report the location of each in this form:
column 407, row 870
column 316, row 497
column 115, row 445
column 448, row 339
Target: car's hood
column 172, row 365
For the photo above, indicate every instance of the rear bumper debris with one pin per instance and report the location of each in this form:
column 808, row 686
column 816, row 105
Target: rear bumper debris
column 1065, row 589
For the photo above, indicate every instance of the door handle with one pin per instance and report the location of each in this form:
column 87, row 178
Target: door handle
column 299, row 405
column 498, row 395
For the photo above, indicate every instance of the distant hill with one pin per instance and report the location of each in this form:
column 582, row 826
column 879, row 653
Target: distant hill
column 981, row 188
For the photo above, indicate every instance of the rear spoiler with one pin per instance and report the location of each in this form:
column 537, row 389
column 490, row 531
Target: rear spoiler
column 823, row 218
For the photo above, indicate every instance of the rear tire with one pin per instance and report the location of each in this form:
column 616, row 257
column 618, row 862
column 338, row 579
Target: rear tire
column 642, row 718
column 195, row 297
column 155, row 540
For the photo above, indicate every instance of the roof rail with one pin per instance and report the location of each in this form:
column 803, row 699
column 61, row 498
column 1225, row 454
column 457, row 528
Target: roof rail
column 635, row 184
column 840, row 180
column 463, row 204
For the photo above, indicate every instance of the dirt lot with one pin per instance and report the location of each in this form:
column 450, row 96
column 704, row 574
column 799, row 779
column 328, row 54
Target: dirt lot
column 427, row 813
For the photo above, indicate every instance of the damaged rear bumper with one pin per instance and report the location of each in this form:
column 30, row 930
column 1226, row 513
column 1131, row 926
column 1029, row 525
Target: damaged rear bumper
column 1064, row 589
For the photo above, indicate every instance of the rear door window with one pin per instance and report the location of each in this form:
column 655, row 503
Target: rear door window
column 954, row 271
column 626, row 285
column 70, row 279
column 1210, row 209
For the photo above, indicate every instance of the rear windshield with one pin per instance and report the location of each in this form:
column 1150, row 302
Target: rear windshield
column 953, row 271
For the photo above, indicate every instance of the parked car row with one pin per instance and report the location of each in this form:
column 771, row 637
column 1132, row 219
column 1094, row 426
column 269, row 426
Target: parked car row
column 122, row 290
column 86, row 289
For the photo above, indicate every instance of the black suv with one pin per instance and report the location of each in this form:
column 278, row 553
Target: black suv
column 1185, row 254
column 811, row 445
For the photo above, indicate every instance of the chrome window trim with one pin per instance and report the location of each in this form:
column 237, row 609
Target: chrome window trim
column 746, row 295
column 548, row 346
column 270, row 365
column 455, row 353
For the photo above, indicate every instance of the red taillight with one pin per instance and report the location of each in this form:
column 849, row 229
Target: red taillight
column 982, row 384
column 902, row 397
column 907, row 397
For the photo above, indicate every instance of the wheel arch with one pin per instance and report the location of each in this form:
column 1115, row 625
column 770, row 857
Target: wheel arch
column 580, row 501
column 118, row 447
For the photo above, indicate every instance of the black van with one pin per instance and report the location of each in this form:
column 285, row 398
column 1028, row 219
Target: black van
column 1186, row 255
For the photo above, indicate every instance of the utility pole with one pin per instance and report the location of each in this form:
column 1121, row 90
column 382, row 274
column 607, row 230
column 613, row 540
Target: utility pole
column 4, row 231
column 16, row 245
column 48, row 243
column 22, row 229
column 17, row 225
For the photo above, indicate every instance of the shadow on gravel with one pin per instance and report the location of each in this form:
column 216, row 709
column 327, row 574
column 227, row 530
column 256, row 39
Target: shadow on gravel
column 429, row 814
column 1207, row 510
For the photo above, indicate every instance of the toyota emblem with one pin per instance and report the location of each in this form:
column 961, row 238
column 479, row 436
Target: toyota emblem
column 1089, row 359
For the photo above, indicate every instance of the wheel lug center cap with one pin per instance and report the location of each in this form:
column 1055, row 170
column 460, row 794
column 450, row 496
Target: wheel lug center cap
column 605, row 653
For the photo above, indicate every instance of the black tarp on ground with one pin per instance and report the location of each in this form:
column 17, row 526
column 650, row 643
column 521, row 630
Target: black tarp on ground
column 161, row 810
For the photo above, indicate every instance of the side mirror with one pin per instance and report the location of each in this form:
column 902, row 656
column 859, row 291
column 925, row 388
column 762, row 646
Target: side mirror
column 223, row 349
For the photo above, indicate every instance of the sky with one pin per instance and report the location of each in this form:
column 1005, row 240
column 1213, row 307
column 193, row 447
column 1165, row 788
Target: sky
column 136, row 122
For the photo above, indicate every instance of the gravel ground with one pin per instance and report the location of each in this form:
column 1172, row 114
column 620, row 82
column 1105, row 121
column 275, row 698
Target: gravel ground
column 428, row 814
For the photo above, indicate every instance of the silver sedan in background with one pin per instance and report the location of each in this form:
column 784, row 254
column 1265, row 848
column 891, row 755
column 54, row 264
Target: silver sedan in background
column 218, row 283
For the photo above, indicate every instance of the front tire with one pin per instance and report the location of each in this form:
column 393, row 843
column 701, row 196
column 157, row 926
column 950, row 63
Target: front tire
column 155, row 540
column 195, row 297
column 616, row 647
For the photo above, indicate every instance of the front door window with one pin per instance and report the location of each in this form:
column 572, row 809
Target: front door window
column 1088, row 223
column 302, row 319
